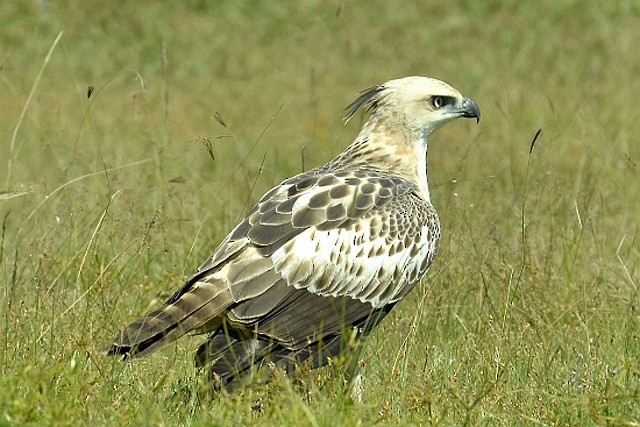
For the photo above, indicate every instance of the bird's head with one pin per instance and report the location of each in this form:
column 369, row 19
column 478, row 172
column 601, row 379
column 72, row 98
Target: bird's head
column 419, row 105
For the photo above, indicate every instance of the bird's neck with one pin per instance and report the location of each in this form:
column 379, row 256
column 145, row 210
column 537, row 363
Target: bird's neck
column 391, row 149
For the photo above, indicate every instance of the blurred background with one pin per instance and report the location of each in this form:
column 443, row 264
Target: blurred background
column 134, row 136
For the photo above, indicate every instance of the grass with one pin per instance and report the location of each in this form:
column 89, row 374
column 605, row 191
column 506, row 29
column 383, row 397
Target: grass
column 529, row 315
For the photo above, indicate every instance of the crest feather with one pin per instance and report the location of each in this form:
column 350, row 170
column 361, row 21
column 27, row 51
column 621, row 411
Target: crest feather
column 368, row 97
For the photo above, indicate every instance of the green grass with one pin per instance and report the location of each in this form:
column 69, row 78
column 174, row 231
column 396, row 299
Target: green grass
column 529, row 315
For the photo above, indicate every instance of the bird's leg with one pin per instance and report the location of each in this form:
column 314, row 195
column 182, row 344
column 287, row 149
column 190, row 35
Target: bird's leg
column 355, row 384
column 353, row 371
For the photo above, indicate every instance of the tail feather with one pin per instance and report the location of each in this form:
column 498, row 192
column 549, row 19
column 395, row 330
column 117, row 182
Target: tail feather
column 160, row 327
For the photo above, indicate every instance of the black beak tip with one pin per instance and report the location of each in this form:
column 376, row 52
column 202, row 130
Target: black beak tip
column 471, row 109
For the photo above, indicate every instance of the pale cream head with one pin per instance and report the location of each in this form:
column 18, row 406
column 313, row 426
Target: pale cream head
column 418, row 105
column 404, row 114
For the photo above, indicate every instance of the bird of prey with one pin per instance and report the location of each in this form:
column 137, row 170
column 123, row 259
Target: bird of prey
column 321, row 256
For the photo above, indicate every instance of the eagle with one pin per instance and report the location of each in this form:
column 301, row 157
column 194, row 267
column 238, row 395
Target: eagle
column 322, row 257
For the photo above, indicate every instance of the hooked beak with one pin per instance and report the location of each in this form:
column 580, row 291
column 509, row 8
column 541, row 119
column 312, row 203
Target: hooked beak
column 470, row 109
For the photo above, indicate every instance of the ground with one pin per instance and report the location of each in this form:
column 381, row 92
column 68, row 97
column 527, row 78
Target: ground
column 529, row 315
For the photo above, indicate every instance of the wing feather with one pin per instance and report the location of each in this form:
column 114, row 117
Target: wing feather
column 381, row 227
column 360, row 237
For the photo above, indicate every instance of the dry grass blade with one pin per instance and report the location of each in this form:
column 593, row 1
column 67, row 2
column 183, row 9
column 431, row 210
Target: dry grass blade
column 12, row 145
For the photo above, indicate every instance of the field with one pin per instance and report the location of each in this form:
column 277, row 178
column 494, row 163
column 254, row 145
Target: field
column 134, row 136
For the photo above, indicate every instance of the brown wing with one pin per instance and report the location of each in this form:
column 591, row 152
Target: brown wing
column 317, row 235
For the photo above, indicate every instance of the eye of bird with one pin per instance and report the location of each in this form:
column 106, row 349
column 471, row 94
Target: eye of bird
column 440, row 101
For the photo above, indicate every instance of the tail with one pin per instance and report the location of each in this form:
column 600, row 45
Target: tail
column 195, row 306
